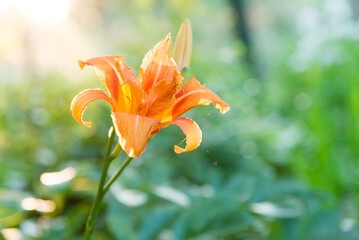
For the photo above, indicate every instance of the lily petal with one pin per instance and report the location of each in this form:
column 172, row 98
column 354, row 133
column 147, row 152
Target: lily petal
column 194, row 94
column 127, row 74
column 157, row 64
column 132, row 89
column 116, row 76
column 133, row 131
column 162, row 97
column 106, row 71
column 81, row 100
column 193, row 134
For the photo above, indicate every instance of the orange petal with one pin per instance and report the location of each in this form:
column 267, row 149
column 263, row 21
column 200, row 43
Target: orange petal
column 116, row 77
column 183, row 46
column 133, row 131
column 132, row 90
column 157, row 64
column 80, row 102
column 106, row 71
column 193, row 134
column 194, row 94
column 162, row 97
column 126, row 72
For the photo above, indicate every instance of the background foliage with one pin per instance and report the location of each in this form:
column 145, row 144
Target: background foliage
column 282, row 164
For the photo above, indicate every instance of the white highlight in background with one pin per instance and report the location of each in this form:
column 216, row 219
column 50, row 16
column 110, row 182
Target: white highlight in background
column 46, row 12
column 11, row 234
column 55, row 178
column 40, row 205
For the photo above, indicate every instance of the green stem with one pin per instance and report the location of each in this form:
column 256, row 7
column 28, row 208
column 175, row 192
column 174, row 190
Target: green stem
column 100, row 193
column 116, row 152
column 117, row 174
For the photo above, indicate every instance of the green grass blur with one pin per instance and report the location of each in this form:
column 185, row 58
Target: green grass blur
column 281, row 164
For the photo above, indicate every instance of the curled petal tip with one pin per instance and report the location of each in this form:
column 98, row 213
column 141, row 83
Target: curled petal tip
column 222, row 109
column 178, row 149
column 195, row 94
column 81, row 64
column 226, row 109
column 81, row 100
column 193, row 134
column 87, row 124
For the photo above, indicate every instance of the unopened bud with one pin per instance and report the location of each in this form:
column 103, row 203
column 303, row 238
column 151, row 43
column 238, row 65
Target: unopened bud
column 183, row 46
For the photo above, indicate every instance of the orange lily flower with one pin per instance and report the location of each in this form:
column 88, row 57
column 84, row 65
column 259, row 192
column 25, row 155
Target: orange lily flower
column 142, row 106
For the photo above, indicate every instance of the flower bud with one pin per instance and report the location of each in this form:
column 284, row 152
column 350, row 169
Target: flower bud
column 183, row 46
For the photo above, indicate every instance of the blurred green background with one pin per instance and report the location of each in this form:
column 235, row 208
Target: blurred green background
column 282, row 164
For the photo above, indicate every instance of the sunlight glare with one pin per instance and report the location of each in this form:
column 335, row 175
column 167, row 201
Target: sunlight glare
column 44, row 11
column 4, row 5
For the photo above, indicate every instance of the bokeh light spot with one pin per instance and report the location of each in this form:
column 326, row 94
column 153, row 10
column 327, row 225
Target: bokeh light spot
column 55, row 178
column 11, row 234
column 40, row 205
